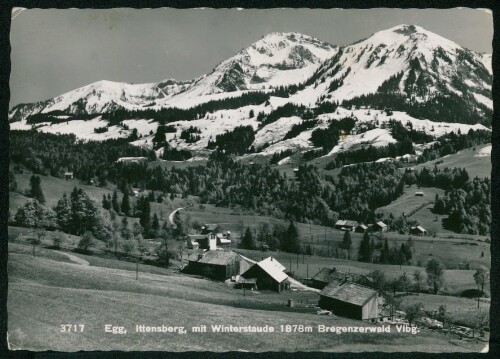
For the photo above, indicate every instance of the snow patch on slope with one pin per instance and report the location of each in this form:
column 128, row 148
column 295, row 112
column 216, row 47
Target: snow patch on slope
column 377, row 137
column 484, row 152
column 275, row 131
column 484, row 100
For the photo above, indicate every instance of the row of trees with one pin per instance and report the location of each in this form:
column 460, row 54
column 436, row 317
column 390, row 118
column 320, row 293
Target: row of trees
column 372, row 250
column 277, row 237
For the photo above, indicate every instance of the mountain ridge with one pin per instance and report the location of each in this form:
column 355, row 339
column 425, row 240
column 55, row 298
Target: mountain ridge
column 416, row 74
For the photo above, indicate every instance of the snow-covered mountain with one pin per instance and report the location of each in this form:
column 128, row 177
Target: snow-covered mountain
column 406, row 60
column 405, row 73
column 278, row 59
column 101, row 97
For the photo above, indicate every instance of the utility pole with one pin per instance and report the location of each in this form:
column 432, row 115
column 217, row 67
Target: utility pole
column 137, row 269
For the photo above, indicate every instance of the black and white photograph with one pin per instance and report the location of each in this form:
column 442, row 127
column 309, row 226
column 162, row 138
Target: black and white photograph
column 253, row 180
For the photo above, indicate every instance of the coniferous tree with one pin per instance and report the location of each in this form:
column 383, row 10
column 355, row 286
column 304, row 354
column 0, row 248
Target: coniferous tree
column 12, row 181
column 35, row 190
column 385, row 253
column 365, row 249
column 145, row 218
column 155, row 224
column 292, row 239
column 347, row 243
column 106, row 204
column 247, row 241
column 114, row 202
column 125, row 207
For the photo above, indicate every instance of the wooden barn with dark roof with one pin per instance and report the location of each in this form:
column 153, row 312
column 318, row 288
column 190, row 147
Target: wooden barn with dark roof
column 269, row 274
column 329, row 275
column 351, row 300
column 219, row 265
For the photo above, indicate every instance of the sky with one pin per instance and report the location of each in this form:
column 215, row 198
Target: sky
column 55, row 51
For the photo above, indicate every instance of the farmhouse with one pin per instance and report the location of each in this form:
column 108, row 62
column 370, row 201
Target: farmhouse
column 219, row 265
column 418, row 230
column 351, row 300
column 212, row 235
column 269, row 274
column 328, row 275
column 208, row 241
column 379, row 227
column 68, row 175
column 211, row 228
column 419, row 194
column 346, row 225
column 132, row 160
column 361, row 228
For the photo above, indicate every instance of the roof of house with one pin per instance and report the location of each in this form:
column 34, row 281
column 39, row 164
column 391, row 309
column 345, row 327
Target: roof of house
column 349, row 292
column 420, row 228
column 273, row 268
column 68, row 173
column 218, row 257
column 194, row 255
column 348, row 223
column 364, row 226
column 196, row 236
column 247, row 259
column 211, row 226
column 381, row 224
column 274, row 262
column 328, row 275
column 121, row 159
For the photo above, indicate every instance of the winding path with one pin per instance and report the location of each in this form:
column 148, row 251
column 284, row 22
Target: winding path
column 75, row 259
column 171, row 216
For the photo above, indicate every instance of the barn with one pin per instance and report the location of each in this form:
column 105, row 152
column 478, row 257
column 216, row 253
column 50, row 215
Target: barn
column 346, row 225
column 418, row 230
column 219, row 265
column 329, row 275
column 68, row 175
column 132, row 160
column 361, row 228
column 269, row 274
column 379, row 227
column 351, row 300
column 211, row 228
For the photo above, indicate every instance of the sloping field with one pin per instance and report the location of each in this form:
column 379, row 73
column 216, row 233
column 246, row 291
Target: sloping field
column 44, row 294
column 409, row 202
column 53, row 189
column 475, row 160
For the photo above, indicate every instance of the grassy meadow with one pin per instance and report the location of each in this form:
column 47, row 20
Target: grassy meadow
column 47, row 291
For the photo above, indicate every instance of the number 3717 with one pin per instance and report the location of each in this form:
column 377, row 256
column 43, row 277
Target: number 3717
column 74, row 328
